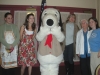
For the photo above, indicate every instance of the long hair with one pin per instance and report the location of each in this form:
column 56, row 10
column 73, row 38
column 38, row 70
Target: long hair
column 69, row 17
column 94, row 19
column 26, row 22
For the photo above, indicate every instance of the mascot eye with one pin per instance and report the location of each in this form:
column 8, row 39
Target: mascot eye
column 45, row 14
column 55, row 14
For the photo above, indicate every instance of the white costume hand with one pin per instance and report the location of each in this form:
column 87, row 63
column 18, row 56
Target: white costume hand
column 44, row 31
column 56, row 31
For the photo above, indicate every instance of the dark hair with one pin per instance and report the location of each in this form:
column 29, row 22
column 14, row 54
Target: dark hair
column 6, row 14
column 70, row 16
column 94, row 19
column 26, row 22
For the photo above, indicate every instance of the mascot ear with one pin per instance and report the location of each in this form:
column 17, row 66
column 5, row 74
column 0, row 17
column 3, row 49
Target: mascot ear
column 60, row 22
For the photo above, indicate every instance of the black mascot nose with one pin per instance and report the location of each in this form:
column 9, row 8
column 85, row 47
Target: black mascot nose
column 50, row 22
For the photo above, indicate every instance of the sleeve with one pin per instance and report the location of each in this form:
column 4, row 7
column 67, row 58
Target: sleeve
column 2, row 39
column 77, row 43
column 75, row 31
column 17, row 37
column 99, row 38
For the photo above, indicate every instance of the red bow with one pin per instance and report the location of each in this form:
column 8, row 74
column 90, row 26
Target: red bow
column 49, row 40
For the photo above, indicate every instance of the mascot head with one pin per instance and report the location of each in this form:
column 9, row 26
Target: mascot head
column 51, row 17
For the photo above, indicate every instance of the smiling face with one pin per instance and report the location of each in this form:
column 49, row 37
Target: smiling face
column 30, row 19
column 84, row 24
column 8, row 19
column 50, row 17
column 72, row 18
column 92, row 24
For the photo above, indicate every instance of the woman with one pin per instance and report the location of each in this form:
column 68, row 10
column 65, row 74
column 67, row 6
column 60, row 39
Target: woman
column 27, row 53
column 83, row 48
column 94, row 42
column 70, row 30
column 9, row 38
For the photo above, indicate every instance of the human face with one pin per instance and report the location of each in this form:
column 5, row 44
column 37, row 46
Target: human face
column 72, row 18
column 9, row 19
column 92, row 24
column 84, row 25
column 31, row 19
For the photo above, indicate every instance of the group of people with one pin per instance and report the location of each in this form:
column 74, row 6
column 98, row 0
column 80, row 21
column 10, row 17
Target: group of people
column 10, row 37
column 84, row 42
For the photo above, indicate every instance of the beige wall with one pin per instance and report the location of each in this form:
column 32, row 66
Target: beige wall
column 99, row 11
column 67, row 3
column 95, row 4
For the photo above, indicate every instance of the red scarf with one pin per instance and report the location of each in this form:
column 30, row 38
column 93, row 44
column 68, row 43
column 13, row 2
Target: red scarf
column 49, row 40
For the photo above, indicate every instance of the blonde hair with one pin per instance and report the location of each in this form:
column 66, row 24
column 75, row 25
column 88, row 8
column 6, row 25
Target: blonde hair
column 70, row 16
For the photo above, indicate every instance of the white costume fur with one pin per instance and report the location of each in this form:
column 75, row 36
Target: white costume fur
column 49, row 64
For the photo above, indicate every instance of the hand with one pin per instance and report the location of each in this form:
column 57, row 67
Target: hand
column 78, row 55
column 98, row 54
column 11, row 48
column 56, row 30
column 45, row 30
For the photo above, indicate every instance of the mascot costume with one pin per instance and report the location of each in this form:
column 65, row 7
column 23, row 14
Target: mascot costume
column 50, row 53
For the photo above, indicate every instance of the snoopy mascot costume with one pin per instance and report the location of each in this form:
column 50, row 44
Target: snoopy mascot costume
column 50, row 53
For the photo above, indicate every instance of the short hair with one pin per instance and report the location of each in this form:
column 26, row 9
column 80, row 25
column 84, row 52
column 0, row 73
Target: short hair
column 84, row 20
column 6, row 14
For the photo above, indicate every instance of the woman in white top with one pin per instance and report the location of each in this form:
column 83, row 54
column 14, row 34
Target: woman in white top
column 27, row 53
column 83, row 48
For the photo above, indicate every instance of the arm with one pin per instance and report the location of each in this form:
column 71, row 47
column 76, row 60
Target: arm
column 2, row 39
column 75, row 32
column 99, row 45
column 17, row 37
column 44, row 31
column 21, row 31
column 56, row 31
column 77, row 43
column 35, row 31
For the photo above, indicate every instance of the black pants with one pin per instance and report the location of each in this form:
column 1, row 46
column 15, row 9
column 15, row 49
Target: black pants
column 69, row 53
column 8, row 71
column 68, row 59
column 85, row 66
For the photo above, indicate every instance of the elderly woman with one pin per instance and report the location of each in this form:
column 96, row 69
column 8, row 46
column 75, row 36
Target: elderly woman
column 82, row 47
